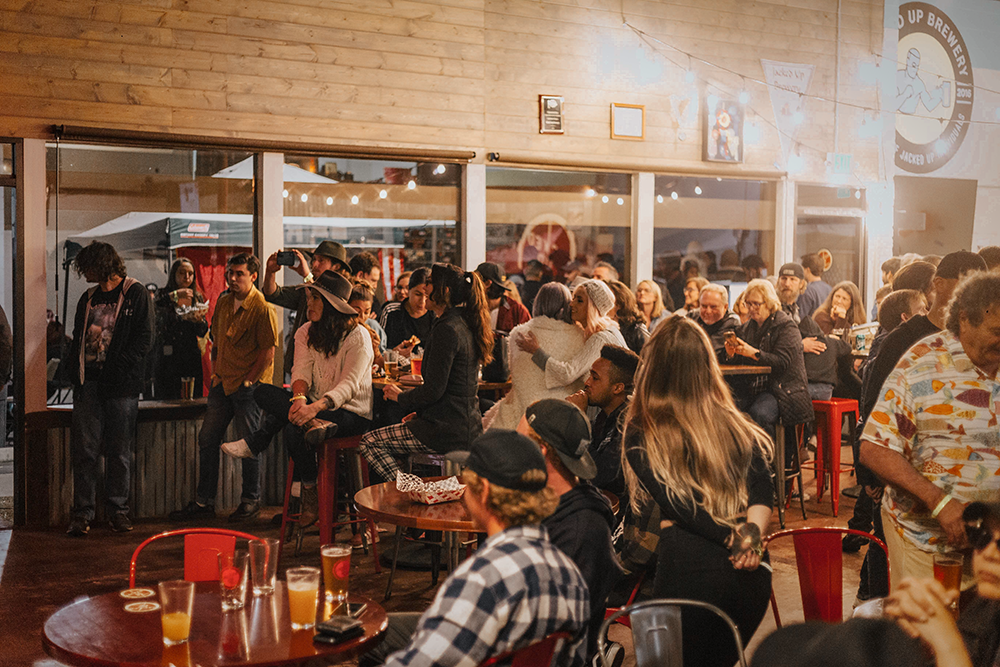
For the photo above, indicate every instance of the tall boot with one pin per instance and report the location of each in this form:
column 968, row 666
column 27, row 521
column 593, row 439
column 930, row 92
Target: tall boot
column 310, row 505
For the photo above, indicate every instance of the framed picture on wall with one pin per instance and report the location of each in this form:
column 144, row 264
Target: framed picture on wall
column 723, row 136
column 628, row 121
column 550, row 114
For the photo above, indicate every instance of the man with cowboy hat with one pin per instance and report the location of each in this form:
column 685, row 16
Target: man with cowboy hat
column 328, row 256
column 244, row 334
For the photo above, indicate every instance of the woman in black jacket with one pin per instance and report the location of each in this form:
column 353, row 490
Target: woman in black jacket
column 771, row 338
column 626, row 312
column 706, row 466
column 180, row 322
column 443, row 411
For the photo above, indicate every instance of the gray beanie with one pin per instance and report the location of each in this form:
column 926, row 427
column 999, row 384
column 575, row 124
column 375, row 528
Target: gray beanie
column 600, row 295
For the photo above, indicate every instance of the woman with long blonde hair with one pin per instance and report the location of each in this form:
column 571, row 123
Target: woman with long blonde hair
column 592, row 301
column 707, row 466
column 650, row 299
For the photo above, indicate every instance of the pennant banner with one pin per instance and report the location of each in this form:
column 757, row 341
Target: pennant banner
column 787, row 83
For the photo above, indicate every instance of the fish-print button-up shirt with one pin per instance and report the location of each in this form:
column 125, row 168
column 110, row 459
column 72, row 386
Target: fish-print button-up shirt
column 939, row 411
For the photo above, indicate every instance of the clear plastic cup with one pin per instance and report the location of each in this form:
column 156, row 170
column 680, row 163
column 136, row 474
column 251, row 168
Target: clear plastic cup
column 176, row 607
column 233, row 576
column 263, row 565
column 303, row 593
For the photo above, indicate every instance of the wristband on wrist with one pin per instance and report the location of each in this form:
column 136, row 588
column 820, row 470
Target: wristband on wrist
column 940, row 506
column 297, row 397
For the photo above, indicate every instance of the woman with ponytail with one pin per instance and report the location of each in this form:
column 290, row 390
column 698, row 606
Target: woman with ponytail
column 443, row 411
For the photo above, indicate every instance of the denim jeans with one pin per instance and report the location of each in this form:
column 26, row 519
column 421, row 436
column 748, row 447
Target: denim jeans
column 820, row 391
column 108, row 423
column 274, row 401
column 222, row 409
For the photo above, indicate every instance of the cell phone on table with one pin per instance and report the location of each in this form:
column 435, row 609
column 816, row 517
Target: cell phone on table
column 355, row 609
column 337, row 629
column 287, row 258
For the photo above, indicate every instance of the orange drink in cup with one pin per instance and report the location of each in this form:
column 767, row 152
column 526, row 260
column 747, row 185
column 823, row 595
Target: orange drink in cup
column 303, row 592
column 416, row 361
column 176, row 605
column 948, row 570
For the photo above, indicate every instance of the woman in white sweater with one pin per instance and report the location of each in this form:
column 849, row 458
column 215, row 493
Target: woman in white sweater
column 551, row 325
column 592, row 300
column 331, row 385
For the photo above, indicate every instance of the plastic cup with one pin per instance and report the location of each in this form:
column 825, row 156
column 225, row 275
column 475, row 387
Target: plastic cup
column 263, row 565
column 391, row 364
column 233, row 575
column 416, row 361
column 336, row 570
column 187, row 388
column 176, row 607
column 303, row 592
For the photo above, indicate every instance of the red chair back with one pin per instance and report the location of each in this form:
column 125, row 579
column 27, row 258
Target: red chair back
column 201, row 549
column 539, row 654
column 820, row 562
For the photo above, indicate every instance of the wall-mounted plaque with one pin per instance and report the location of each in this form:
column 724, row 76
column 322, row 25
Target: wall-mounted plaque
column 550, row 114
column 628, row 121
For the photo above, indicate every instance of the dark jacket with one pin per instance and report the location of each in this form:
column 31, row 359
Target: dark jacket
column 292, row 299
column 822, row 367
column 447, row 403
column 606, row 450
column 717, row 332
column 780, row 345
column 125, row 362
column 635, row 336
column 581, row 528
column 979, row 625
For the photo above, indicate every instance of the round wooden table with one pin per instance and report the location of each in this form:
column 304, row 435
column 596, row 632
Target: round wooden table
column 735, row 369
column 100, row 631
column 498, row 389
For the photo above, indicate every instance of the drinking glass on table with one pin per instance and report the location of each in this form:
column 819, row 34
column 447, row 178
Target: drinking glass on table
column 176, row 607
column 303, row 592
column 416, row 361
column 948, row 571
column 263, row 565
column 391, row 364
column 233, row 576
column 336, row 570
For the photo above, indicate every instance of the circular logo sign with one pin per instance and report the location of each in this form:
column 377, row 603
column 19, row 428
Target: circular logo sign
column 342, row 569
column 137, row 593
column 934, row 89
column 141, row 607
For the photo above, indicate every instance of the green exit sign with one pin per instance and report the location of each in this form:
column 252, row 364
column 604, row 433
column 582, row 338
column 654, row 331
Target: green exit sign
column 839, row 164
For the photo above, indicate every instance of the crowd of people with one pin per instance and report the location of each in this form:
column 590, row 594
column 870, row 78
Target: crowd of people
column 610, row 391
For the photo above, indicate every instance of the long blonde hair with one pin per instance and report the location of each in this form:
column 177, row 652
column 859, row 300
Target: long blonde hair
column 595, row 321
column 698, row 444
column 658, row 306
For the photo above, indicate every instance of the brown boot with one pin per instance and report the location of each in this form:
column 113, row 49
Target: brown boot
column 318, row 430
column 310, row 505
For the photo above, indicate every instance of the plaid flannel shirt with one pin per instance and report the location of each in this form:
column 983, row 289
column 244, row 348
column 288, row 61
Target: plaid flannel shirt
column 515, row 591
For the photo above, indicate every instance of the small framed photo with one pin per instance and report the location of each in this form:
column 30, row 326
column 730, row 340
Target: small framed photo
column 550, row 114
column 628, row 121
column 723, row 130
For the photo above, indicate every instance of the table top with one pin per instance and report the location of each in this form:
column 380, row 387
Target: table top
column 728, row 369
column 101, row 631
column 380, row 382
column 383, row 502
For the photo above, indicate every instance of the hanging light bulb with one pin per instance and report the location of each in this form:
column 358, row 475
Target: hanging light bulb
column 689, row 76
column 412, row 185
column 439, row 169
column 659, row 199
column 304, row 198
column 284, row 193
column 744, row 97
column 697, row 189
column 354, row 199
column 604, row 199
column 620, row 201
column 673, row 195
column 590, row 192
column 329, row 201
column 382, row 194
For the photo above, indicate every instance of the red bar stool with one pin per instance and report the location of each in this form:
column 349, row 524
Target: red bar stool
column 829, row 425
column 327, row 455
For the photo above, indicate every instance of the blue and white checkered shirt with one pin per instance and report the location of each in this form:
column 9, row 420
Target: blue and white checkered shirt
column 515, row 591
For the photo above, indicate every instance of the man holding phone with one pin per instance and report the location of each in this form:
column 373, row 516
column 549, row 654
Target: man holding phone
column 328, row 256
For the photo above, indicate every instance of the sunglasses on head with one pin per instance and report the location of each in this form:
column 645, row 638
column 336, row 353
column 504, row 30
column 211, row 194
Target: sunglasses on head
column 977, row 527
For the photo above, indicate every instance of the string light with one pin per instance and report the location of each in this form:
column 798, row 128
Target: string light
column 620, row 201
column 697, row 189
column 284, row 193
column 329, row 201
column 354, row 199
column 412, row 185
column 304, row 198
column 439, row 169
column 590, row 192
column 604, row 199
column 673, row 195
column 659, row 199
column 382, row 194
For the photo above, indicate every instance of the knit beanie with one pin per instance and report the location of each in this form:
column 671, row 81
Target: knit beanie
column 600, row 295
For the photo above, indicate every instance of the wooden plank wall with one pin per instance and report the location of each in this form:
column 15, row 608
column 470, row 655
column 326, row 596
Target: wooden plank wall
column 455, row 74
column 164, row 472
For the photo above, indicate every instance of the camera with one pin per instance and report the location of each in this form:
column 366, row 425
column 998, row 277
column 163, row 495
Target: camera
column 287, row 258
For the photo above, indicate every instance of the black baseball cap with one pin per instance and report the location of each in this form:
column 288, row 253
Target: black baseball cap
column 792, row 269
column 491, row 271
column 956, row 264
column 562, row 426
column 503, row 458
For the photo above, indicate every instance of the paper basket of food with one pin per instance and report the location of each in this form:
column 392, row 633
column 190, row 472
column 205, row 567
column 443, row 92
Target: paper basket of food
column 429, row 493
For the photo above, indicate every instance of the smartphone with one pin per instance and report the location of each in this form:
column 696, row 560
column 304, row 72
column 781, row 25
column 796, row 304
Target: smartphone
column 337, row 639
column 730, row 337
column 287, row 258
column 338, row 628
column 355, row 609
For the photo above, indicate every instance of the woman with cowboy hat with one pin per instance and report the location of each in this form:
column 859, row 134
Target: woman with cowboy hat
column 331, row 385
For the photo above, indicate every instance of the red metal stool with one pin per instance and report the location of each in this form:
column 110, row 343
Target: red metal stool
column 327, row 454
column 829, row 424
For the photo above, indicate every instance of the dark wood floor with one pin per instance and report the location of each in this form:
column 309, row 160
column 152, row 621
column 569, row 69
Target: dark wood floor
column 45, row 570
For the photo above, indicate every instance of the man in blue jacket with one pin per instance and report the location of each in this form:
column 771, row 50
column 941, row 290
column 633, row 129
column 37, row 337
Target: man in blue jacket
column 112, row 334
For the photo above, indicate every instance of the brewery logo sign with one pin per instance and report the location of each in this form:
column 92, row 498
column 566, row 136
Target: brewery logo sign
column 934, row 89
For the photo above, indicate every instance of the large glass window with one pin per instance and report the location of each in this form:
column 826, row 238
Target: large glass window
column 154, row 206
column 557, row 218
column 723, row 229
column 828, row 220
column 404, row 213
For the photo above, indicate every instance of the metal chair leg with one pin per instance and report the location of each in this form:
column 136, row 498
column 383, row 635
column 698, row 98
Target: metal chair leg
column 395, row 555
